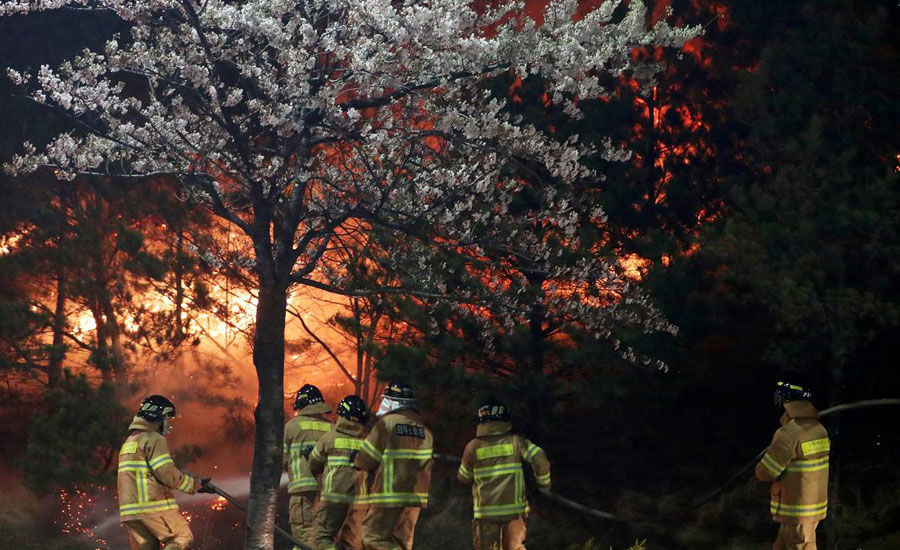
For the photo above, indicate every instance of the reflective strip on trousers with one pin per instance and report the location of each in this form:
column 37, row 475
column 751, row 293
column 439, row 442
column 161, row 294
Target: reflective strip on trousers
column 489, row 511
column 410, row 499
column 797, row 510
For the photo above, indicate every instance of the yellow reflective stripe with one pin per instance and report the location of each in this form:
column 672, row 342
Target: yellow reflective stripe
column 347, row 443
column 187, row 484
column 316, row 454
column 464, row 472
column 337, row 497
column 141, row 481
column 498, row 469
column 128, row 448
column 771, row 465
column 409, row 454
column 336, row 460
column 303, row 483
column 815, row 446
column 531, row 452
column 161, row 461
column 543, row 480
column 146, row 507
column 394, row 498
column 494, row 451
column 302, row 445
column 798, row 510
column 133, row 466
column 808, row 465
column 315, row 425
column 370, row 450
column 499, row 510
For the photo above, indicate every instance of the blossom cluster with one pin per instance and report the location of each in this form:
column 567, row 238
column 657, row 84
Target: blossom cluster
column 307, row 114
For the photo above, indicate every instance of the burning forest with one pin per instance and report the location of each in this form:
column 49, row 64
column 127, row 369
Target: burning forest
column 267, row 267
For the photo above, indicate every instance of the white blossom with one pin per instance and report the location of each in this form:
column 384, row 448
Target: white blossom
column 373, row 105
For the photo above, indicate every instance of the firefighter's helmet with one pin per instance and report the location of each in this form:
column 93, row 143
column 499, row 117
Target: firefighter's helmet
column 397, row 390
column 492, row 411
column 156, row 408
column 353, row 408
column 307, row 395
column 790, row 391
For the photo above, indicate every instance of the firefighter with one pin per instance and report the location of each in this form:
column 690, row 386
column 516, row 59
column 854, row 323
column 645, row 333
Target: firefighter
column 796, row 463
column 399, row 449
column 492, row 465
column 147, row 479
column 300, row 436
column 340, row 514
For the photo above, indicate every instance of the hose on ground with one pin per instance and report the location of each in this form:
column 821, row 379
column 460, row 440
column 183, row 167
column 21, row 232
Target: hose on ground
column 278, row 530
column 599, row 514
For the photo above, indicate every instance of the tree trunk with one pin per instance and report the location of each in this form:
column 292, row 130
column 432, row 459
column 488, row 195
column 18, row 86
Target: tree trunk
column 268, row 358
column 101, row 352
column 58, row 348
column 114, row 333
column 179, row 287
column 539, row 399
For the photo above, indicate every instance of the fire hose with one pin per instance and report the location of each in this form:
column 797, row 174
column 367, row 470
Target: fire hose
column 599, row 514
column 278, row 530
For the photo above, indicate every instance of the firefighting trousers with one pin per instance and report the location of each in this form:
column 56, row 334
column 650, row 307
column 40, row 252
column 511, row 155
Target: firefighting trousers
column 168, row 531
column 302, row 514
column 499, row 535
column 389, row 528
column 339, row 527
column 796, row 536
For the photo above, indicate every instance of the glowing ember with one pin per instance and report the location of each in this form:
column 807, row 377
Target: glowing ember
column 78, row 514
column 219, row 505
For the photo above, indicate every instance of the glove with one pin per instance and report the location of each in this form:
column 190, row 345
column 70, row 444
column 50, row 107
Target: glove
column 352, row 456
column 306, row 452
column 204, row 486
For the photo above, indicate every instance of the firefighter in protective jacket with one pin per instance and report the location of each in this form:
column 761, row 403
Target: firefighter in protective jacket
column 492, row 464
column 300, row 436
column 340, row 514
column 399, row 449
column 148, row 478
column 796, row 463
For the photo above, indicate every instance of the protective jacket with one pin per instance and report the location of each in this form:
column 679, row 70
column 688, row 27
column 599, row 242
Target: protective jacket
column 300, row 436
column 399, row 448
column 342, row 483
column 492, row 464
column 147, row 476
column 797, row 464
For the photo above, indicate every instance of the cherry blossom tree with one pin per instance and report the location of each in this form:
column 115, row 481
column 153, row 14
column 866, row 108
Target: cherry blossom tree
column 294, row 120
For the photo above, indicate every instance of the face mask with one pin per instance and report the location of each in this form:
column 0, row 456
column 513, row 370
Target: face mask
column 166, row 425
column 387, row 405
